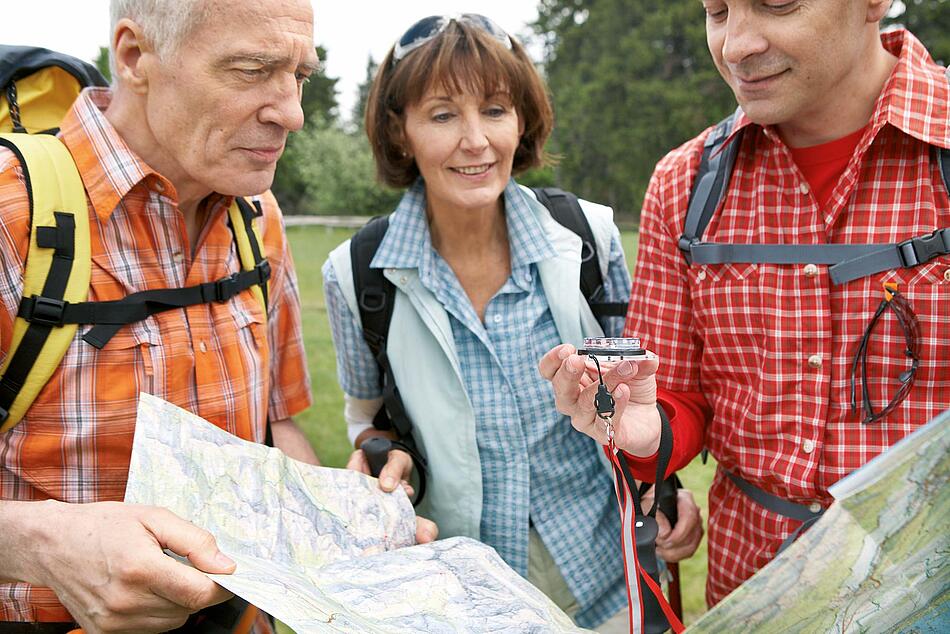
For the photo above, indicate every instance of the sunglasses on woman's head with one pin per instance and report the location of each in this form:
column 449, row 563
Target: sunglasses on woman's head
column 428, row 28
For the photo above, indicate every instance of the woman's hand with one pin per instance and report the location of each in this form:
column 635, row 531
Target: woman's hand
column 396, row 471
column 636, row 420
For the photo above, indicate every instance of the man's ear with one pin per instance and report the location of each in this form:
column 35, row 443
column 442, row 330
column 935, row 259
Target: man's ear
column 877, row 10
column 129, row 47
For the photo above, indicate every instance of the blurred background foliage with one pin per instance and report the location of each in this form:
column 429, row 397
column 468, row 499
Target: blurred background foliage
column 630, row 80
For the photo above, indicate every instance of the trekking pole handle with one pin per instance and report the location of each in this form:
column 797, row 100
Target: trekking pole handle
column 376, row 449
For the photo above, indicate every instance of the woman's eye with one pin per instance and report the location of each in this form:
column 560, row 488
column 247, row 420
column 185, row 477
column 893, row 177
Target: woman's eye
column 496, row 111
column 442, row 117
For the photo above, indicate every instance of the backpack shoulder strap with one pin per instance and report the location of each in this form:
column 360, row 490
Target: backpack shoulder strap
column 566, row 210
column 241, row 217
column 376, row 298
column 375, row 295
column 57, row 270
column 710, row 183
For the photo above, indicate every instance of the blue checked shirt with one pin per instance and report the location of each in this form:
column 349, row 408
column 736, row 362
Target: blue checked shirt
column 535, row 468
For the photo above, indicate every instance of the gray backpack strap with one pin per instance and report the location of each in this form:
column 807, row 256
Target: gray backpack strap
column 710, row 183
column 847, row 261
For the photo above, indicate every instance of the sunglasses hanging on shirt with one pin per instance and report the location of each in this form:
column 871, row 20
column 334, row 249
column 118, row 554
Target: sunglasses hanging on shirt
column 898, row 304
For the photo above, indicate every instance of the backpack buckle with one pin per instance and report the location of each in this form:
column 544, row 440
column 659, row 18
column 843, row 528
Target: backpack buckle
column 46, row 311
column 226, row 288
column 923, row 249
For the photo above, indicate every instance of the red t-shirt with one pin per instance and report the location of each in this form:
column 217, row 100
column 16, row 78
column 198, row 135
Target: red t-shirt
column 822, row 165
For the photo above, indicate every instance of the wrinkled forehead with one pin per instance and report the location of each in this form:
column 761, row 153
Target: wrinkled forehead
column 257, row 20
column 279, row 32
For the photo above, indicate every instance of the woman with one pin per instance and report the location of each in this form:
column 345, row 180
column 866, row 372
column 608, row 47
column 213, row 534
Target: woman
column 486, row 282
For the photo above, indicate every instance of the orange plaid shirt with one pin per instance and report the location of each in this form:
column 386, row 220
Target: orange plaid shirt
column 217, row 360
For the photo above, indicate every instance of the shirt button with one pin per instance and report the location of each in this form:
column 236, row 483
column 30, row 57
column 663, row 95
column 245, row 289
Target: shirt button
column 803, row 188
column 814, row 361
column 808, row 445
column 810, row 270
column 202, row 346
column 497, row 319
column 178, row 257
column 814, row 507
column 701, row 275
column 946, row 275
column 159, row 186
column 505, row 389
column 403, row 279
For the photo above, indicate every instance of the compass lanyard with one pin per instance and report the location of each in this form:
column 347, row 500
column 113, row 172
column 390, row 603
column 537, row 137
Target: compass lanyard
column 650, row 612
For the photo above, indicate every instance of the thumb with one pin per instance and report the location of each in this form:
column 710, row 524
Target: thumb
column 398, row 467
column 187, row 540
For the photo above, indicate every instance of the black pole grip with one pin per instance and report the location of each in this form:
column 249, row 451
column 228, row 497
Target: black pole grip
column 646, row 531
column 376, row 449
column 666, row 493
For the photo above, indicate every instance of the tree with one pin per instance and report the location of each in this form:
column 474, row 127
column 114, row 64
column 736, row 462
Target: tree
column 359, row 109
column 102, row 63
column 929, row 20
column 630, row 80
column 337, row 173
column 319, row 107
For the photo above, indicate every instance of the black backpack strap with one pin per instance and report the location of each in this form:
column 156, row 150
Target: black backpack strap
column 710, row 183
column 566, row 210
column 110, row 316
column 375, row 299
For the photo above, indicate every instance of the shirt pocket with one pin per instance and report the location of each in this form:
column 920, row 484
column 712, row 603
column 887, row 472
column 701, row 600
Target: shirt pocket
column 727, row 307
column 81, row 424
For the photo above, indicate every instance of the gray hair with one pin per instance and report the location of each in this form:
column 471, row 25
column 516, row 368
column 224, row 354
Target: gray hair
column 165, row 23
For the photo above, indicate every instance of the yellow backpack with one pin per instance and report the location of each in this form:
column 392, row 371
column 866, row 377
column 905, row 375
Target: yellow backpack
column 38, row 87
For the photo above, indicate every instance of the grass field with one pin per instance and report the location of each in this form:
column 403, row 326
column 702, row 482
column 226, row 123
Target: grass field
column 323, row 423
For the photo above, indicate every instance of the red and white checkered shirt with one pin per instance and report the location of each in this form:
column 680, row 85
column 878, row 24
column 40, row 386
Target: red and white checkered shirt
column 770, row 346
column 217, row 360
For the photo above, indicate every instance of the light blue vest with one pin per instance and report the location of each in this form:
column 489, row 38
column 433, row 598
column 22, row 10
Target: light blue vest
column 421, row 349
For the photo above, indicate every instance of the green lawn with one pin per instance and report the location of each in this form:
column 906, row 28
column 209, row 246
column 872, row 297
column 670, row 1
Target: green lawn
column 323, row 423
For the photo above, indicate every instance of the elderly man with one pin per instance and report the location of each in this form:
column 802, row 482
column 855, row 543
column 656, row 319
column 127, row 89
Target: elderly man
column 205, row 93
column 792, row 372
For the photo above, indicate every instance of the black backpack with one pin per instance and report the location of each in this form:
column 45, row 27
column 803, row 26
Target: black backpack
column 375, row 296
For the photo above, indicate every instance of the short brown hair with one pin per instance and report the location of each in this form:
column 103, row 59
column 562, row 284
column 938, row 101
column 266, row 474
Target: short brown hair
column 460, row 58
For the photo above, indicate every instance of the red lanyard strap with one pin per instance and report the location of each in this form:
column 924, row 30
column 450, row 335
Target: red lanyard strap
column 650, row 612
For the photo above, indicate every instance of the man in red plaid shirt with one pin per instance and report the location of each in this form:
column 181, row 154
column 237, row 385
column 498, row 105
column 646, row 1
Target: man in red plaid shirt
column 791, row 374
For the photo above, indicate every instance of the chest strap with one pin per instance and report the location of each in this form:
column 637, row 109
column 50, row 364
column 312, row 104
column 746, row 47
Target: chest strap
column 780, row 506
column 848, row 261
column 110, row 316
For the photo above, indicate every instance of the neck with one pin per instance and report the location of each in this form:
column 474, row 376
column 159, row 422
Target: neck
column 459, row 233
column 852, row 103
column 127, row 115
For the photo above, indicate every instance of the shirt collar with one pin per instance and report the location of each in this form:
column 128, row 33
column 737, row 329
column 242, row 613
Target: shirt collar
column 408, row 243
column 110, row 170
column 915, row 99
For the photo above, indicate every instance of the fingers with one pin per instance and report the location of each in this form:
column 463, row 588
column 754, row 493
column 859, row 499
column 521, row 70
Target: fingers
column 358, row 462
column 185, row 539
column 426, row 530
column 551, row 362
column 184, row 586
column 663, row 524
column 398, row 468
